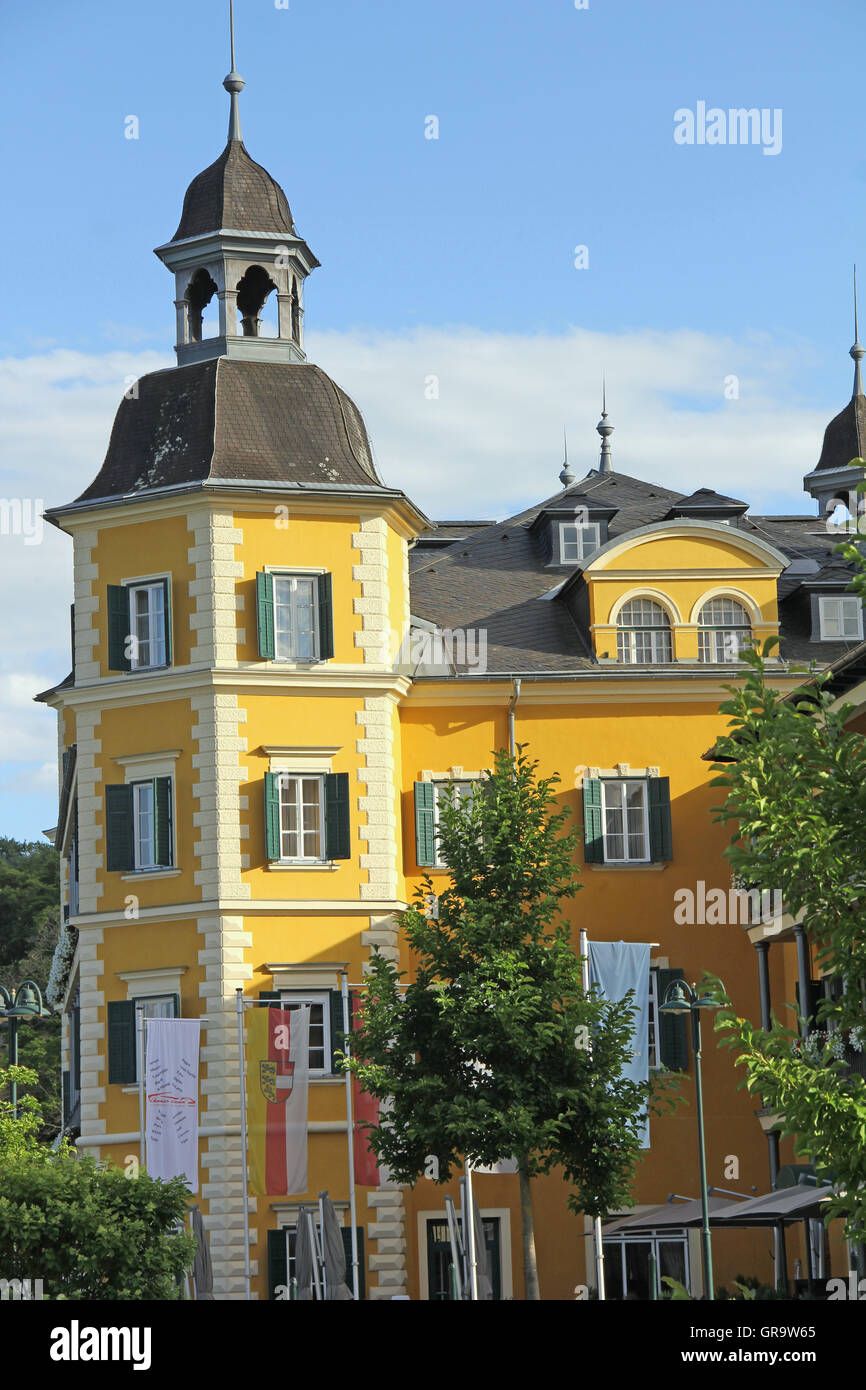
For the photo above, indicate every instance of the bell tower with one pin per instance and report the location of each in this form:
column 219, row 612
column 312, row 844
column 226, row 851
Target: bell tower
column 237, row 243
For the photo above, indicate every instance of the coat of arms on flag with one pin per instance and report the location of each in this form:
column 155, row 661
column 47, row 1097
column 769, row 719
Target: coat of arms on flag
column 277, row 1074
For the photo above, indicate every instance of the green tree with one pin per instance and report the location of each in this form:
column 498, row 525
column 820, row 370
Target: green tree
column 29, row 930
column 796, row 796
column 84, row 1228
column 494, row 1049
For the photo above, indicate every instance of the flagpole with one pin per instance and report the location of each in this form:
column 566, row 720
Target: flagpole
column 596, row 1224
column 350, row 1125
column 139, row 1053
column 321, row 1246
column 473, row 1253
column 239, row 1004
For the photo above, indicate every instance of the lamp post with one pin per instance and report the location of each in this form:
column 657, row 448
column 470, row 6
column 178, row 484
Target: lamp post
column 23, row 1002
column 681, row 998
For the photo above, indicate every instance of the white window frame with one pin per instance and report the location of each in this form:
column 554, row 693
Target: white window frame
column 150, row 587
column 841, row 603
column 299, row 998
column 622, row 784
column 295, row 577
column 714, row 637
column 652, row 1237
column 298, row 778
column 137, row 999
column 471, row 783
column 653, row 1023
column 138, row 789
column 579, row 541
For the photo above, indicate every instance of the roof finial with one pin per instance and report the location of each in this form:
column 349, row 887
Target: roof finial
column 234, row 83
column 605, row 430
column 566, row 476
column 857, row 352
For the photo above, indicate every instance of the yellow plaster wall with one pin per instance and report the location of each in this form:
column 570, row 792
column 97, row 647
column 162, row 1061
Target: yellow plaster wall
column 145, row 548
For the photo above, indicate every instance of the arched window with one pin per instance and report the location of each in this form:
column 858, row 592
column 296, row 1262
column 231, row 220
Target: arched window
column 253, row 289
column 200, row 292
column 724, row 630
column 644, row 632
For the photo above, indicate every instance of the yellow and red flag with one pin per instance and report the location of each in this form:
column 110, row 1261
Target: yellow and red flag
column 277, row 1086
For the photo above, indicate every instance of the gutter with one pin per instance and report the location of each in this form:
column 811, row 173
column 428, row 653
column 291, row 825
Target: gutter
column 511, row 708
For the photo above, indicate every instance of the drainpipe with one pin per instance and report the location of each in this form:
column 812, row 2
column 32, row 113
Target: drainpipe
column 511, row 708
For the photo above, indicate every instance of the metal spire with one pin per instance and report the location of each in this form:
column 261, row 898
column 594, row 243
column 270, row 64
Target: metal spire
column 857, row 352
column 605, row 430
column 566, row 477
column 234, row 83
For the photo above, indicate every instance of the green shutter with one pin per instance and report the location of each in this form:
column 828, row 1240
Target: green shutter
column 166, row 584
column 64, row 1085
column 272, row 814
column 326, row 617
column 120, row 855
column 346, row 1233
column 659, row 799
column 118, row 627
column 673, row 1048
column 273, row 996
column 121, row 1042
column 593, row 834
column 278, row 1261
column 70, row 756
column 72, row 637
column 338, row 1036
column 163, row 826
column 425, row 845
column 75, row 1030
column 338, row 830
column 265, row 609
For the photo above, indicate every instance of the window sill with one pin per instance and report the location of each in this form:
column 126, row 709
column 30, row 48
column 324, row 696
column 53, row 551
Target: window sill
column 327, row 1080
column 136, row 875
column 147, row 670
column 627, row 868
column 328, row 868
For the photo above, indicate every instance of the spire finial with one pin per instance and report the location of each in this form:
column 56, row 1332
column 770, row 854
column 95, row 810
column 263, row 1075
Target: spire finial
column 857, row 352
column 605, row 430
column 566, row 476
column 234, row 83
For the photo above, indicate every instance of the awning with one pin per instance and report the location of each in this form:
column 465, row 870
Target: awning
column 800, row 1203
column 670, row 1215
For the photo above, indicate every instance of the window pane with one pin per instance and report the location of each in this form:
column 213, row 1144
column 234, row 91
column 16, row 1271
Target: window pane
column 637, row 1255
column 613, row 1264
column 157, row 620
column 672, row 1260
column 143, row 824
column 318, row 1037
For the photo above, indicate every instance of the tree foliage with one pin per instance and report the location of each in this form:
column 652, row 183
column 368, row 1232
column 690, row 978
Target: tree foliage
column 84, row 1228
column 494, row 1049
column 796, row 796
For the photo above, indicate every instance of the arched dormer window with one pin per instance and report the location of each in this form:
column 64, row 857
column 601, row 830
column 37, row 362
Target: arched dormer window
column 724, row 630
column 644, row 632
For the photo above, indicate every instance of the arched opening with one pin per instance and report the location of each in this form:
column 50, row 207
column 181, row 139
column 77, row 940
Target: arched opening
column 253, row 289
column 200, row 292
column 724, row 629
column 644, row 634
column 296, row 313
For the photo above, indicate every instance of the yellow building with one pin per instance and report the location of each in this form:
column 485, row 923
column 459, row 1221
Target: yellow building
column 265, row 702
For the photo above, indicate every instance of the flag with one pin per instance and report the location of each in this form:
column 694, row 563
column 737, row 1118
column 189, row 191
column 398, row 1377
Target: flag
column 171, row 1092
column 617, row 967
column 277, row 1083
column 365, row 1109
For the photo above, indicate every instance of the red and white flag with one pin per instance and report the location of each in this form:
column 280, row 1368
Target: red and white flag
column 278, row 1043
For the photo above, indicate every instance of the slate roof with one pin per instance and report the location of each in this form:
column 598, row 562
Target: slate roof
column 267, row 422
column 496, row 579
column 845, row 436
column 237, row 194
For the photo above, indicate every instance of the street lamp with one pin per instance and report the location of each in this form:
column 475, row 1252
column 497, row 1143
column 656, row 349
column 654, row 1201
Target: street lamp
column 23, row 1002
column 681, row 998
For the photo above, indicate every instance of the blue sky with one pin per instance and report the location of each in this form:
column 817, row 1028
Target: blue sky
column 452, row 256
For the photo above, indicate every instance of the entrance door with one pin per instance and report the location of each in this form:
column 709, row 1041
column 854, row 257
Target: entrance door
column 440, row 1279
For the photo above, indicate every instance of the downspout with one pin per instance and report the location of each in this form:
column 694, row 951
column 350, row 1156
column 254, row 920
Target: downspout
column 511, row 708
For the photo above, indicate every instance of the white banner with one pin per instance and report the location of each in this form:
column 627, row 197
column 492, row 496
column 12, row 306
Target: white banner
column 171, row 1088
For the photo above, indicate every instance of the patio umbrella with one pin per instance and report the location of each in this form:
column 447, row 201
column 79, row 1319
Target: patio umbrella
column 334, row 1253
column 791, row 1204
column 304, row 1255
column 202, row 1269
column 670, row 1214
column 482, row 1265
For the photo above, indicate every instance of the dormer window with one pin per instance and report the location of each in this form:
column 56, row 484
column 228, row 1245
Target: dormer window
column 578, row 541
column 840, row 618
column 644, row 633
column 724, row 630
